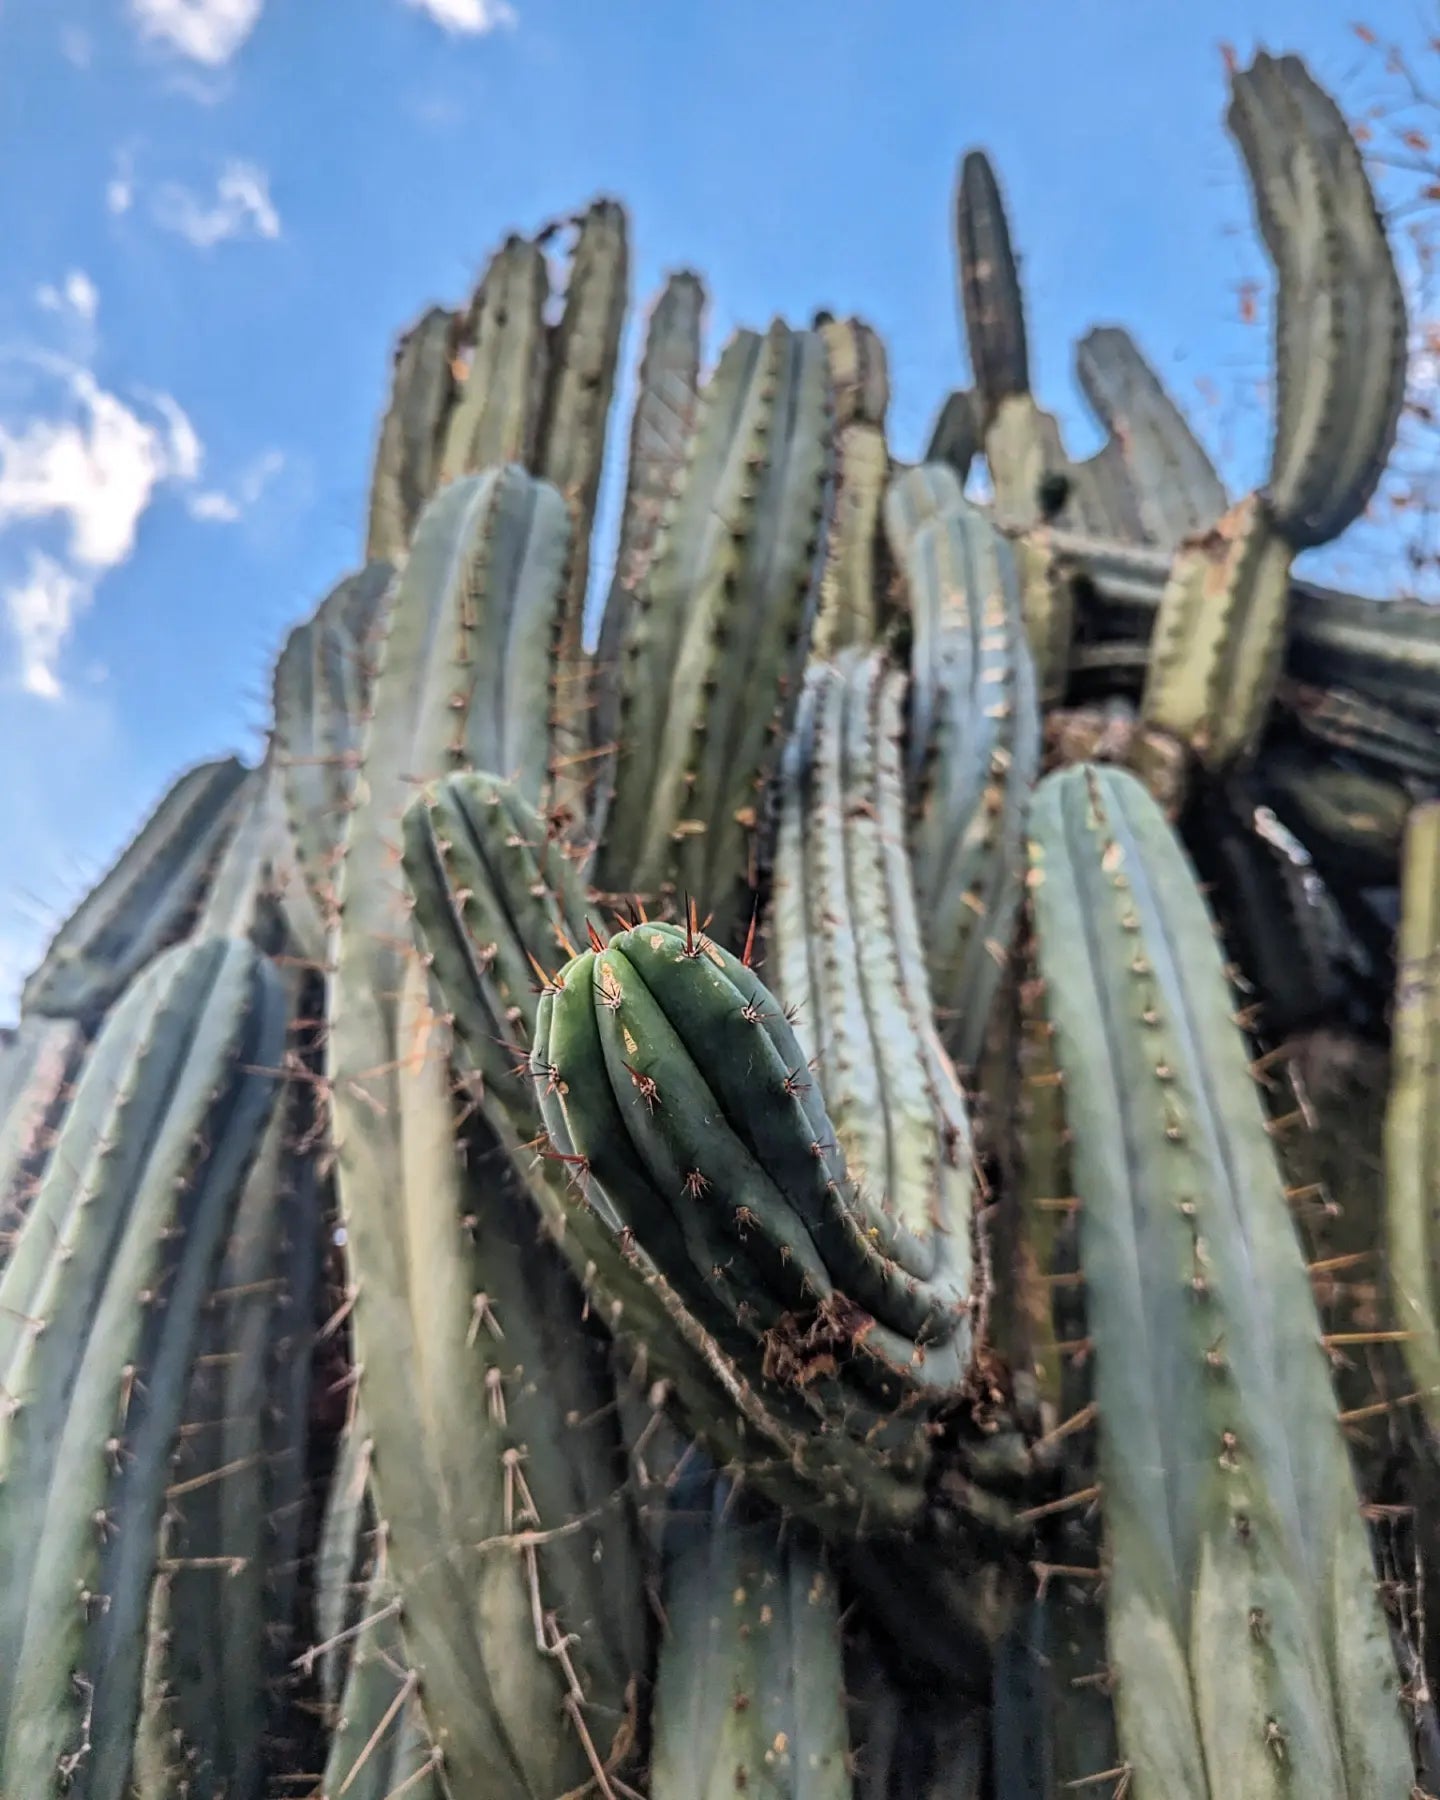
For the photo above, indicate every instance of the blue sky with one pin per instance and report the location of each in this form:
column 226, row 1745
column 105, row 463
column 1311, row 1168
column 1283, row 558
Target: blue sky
column 217, row 214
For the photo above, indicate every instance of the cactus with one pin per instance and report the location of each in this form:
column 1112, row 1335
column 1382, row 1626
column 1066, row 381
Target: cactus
column 848, row 587
column 719, row 631
column 749, row 1694
column 496, row 417
column 1411, row 1118
column 1351, row 822
column 407, row 456
column 1176, row 489
column 1365, row 728
column 146, row 902
column 974, row 742
column 991, row 307
column 1340, row 333
column 138, row 1202
column 956, row 437
column 1244, row 1629
column 1219, row 637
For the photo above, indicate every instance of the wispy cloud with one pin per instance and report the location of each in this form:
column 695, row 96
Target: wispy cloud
column 207, row 31
column 41, row 612
column 468, row 16
column 219, row 507
column 242, row 207
column 76, row 46
column 120, row 189
column 76, row 295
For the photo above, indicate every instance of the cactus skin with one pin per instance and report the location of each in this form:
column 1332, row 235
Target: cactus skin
column 849, row 585
column 1340, row 313
column 407, row 457
column 1351, row 822
column 1227, row 1485
column 666, row 409
column 974, row 742
column 321, row 702
column 39, row 1060
column 1412, row 1117
column 143, row 1185
column 1027, row 462
column 146, row 902
column 1219, row 639
column 720, row 630
column 845, row 943
column 584, row 350
column 992, row 309
column 496, row 418
column 1176, row 489
column 750, row 1689
column 1047, row 604
column 1347, row 721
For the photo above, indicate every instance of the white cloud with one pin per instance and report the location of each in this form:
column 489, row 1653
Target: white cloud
column 120, row 189
column 96, row 468
column 41, row 611
column 78, row 295
column 472, row 16
column 216, row 507
column 207, row 31
column 242, row 207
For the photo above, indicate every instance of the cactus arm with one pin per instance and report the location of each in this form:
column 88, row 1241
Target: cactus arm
column 406, row 458
column 991, row 305
column 496, row 418
column 1219, row 639
column 1412, row 1119
column 848, row 605
column 1174, row 482
column 146, row 901
column 956, row 437
column 38, row 1065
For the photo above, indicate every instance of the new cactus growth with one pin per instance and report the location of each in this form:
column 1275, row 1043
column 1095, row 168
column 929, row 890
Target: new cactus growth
column 1246, row 1636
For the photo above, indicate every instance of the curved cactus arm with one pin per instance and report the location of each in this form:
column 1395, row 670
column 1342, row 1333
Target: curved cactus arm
column 1242, row 1608
column 734, row 571
column 1374, row 732
column 666, row 408
column 39, row 1061
column 750, row 1690
column 846, row 943
column 849, row 586
column 974, row 743
column 990, row 299
column 142, row 1190
column 584, row 351
column 1029, row 468
column 496, row 418
column 1176, row 489
column 1340, row 341
column 1412, row 1119
column 407, row 457
column 146, row 901
column 1219, row 639
column 1101, row 501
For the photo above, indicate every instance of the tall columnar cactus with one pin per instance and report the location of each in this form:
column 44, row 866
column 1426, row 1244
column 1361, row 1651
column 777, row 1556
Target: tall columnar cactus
column 974, row 740
column 1340, row 328
column 719, row 632
column 1246, row 1636
column 584, row 350
column 1412, row 1120
column 750, row 1689
column 102, row 1301
column 407, row 458
column 147, row 901
column 496, row 417
column 991, row 306
column 1176, row 489
column 849, row 588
